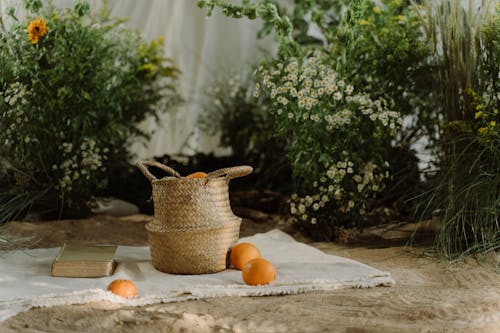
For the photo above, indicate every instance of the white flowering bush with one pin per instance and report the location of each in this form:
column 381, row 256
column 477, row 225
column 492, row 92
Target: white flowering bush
column 337, row 139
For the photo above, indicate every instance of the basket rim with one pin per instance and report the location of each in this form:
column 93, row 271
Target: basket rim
column 205, row 180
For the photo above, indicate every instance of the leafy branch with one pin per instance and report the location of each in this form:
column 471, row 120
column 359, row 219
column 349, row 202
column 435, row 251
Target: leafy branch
column 265, row 10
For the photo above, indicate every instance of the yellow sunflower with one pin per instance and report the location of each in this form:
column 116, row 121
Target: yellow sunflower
column 36, row 29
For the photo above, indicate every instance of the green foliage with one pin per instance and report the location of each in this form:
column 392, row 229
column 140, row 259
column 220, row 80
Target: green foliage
column 265, row 10
column 337, row 139
column 372, row 57
column 70, row 102
column 467, row 190
column 386, row 53
column 245, row 125
column 438, row 63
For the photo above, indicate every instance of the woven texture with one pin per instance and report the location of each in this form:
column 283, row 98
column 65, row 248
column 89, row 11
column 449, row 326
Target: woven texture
column 194, row 226
column 184, row 203
column 192, row 251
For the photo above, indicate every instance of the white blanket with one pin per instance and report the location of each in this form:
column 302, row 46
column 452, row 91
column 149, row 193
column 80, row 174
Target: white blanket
column 25, row 279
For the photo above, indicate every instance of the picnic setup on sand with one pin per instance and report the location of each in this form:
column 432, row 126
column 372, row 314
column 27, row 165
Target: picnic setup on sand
column 250, row 166
column 194, row 253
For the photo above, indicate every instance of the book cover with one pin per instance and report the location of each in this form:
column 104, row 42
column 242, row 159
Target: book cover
column 85, row 261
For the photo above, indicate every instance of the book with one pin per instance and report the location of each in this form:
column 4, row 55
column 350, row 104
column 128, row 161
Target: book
column 84, row 261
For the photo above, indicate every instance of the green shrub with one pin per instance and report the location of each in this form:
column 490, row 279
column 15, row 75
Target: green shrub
column 337, row 139
column 72, row 90
column 246, row 126
column 438, row 63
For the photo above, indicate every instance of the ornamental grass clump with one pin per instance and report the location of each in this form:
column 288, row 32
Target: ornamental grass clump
column 73, row 88
column 337, row 138
column 467, row 191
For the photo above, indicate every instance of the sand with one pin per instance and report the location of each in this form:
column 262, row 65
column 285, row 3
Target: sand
column 429, row 296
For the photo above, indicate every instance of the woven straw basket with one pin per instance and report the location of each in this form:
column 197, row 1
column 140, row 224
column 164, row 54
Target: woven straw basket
column 194, row 226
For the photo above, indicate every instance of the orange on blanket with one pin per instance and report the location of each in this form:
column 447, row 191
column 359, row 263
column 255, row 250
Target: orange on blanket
column 123, row 288
column 243, row 253
column 258, row 271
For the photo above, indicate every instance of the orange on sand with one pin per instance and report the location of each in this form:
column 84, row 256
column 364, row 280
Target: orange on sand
column 258, row 271
column 243, row 253
column 123, row 288
column 199, row 174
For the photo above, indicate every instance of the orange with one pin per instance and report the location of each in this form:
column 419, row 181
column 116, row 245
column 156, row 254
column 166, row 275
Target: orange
column 243, row 253
column 198, row 174
column 123, row 288
column 258, row 271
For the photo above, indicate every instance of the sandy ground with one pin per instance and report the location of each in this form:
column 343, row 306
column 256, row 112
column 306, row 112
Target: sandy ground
column 429, row 296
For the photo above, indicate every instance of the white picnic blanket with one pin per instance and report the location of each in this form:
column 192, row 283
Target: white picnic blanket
column 25, row 279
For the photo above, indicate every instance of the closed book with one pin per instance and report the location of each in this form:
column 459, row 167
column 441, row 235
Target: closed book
column 85, row 261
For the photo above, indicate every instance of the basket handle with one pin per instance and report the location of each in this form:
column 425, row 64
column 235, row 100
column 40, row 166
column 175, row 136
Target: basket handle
column 143, row 166
column 230, row 173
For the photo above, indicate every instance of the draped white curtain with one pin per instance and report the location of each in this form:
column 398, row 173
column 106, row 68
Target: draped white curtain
column 202, row 48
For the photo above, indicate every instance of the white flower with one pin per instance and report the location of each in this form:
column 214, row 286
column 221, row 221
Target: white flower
column 290, row 115
column 313, row 220
column 293, row 210
column 304, row 217
column 316, row 206
column 337, row 96
column 302, row 208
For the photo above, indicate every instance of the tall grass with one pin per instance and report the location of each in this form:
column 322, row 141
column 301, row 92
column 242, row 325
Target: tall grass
column 469, row 197
column 456, row 31
column 468, row 188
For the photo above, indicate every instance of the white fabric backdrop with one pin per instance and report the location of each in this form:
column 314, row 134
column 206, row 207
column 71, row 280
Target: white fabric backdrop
column 203, row 48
